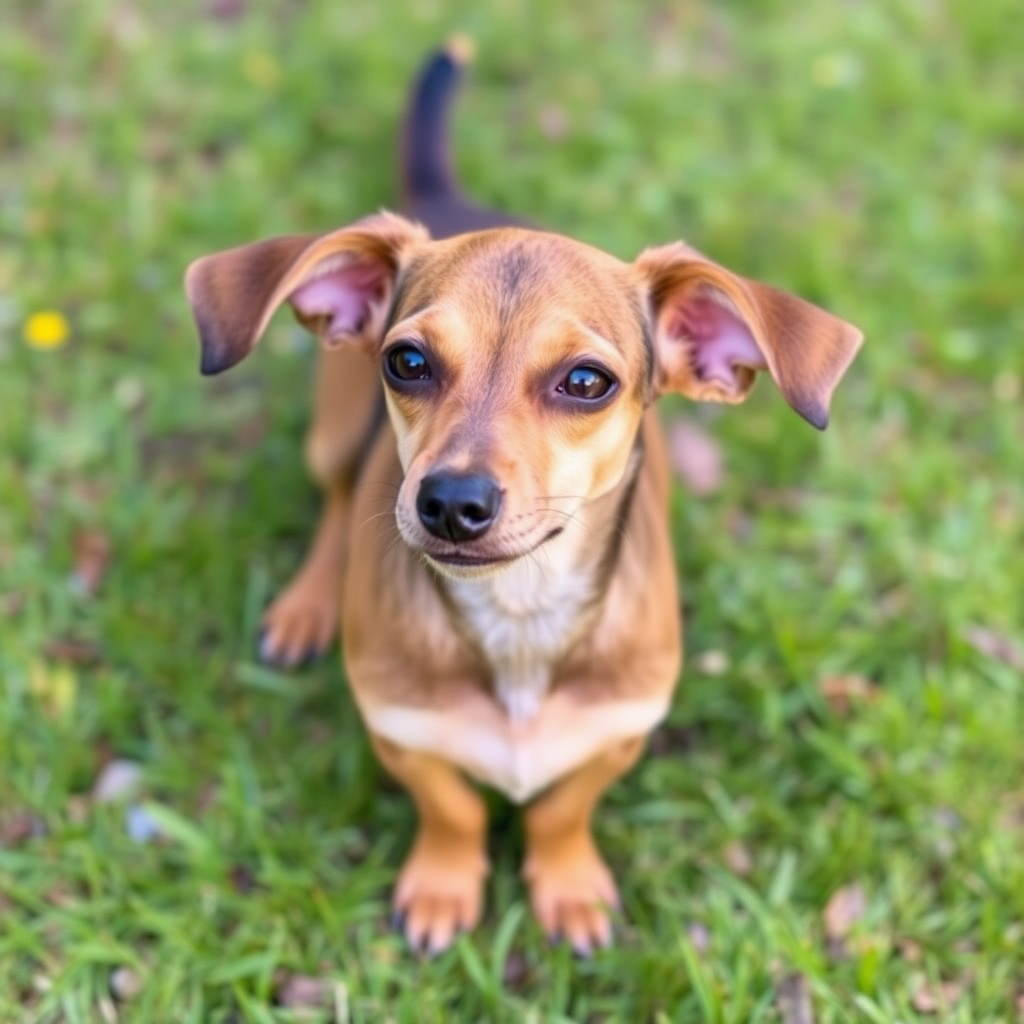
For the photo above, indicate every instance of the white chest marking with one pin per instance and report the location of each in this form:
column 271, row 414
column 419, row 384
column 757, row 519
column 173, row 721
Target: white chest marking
column 523, row 620
column 520, row 759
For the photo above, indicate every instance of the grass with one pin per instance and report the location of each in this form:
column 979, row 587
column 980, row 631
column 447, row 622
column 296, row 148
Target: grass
column 867, row 156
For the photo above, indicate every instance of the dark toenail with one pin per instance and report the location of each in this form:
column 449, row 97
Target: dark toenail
column 398, row 920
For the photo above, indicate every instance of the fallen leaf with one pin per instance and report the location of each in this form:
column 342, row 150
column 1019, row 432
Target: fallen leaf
column 130, row 393
column 77, row 808
column 843, row 691
column 92, row 555
column 793, row 999
column 699, row 935
column 243, row 881
column 695, row 456
column 20, row 826
column 302, row 991
column 553, row 121
column 712, row 663
column 125, row 984
column 738, row 858
column 516, row 971
column 844, row 909
column 108, row 1012
column 72, row 651
column 996, row 646
column 120, row 779
column 910, row 950
column 929, row 997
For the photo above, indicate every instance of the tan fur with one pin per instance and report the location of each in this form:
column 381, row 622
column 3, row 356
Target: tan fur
column 540, row 675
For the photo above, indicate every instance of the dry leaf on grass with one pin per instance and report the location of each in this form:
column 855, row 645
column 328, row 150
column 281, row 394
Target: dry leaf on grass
column 73, row 651
column 92, row 556
column 910, row 950
column 842, row 692
column 120, row 779
column 304, row 992
column 695, row 456
column 19, row 826
column 553, row 121
column 793, row 999
column 125, row 984
column 929, row 997
column 996, row 645
column 738, row 858
column 712, row 662
column 844, row 909
column 699, row 936
column 516, row 972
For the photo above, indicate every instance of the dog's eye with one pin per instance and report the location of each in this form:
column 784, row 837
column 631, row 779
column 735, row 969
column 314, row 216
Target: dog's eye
column 407, row 363
column 586, row 382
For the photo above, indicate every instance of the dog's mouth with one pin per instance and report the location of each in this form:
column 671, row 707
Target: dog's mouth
column 481, row 561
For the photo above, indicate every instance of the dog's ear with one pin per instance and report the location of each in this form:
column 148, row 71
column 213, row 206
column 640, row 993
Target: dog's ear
column 713, row 330
column 339, row 284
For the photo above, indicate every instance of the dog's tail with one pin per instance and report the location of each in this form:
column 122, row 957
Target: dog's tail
column 425, row 166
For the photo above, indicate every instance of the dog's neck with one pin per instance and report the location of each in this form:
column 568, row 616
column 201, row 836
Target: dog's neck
column 525, row 618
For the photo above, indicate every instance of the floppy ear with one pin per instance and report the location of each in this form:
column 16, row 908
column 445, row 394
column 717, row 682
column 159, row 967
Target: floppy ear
column 713, row 330
column 339, row 284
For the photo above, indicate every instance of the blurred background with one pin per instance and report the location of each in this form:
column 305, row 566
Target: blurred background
column 829, row 826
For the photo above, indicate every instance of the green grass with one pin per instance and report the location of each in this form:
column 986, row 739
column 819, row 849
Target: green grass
column 868, row 156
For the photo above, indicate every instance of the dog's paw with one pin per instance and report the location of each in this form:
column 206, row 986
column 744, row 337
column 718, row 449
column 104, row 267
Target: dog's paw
column 572, row 893
column 438, row 895
column 300, row 625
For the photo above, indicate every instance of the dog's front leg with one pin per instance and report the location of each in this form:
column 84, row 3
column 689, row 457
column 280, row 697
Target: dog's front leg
column 303, row 619
column 571, row 889
column 305, row 616
column 440, row 888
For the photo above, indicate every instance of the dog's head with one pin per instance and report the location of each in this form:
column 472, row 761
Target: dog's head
column 517, row 364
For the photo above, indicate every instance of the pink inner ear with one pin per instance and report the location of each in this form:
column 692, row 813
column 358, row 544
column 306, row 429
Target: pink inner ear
column 719, row 339
column 343, row 297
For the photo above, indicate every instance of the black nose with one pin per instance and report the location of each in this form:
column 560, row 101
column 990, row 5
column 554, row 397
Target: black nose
column 457, row 507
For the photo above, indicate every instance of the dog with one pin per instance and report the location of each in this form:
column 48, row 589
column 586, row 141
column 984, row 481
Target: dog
column 495, row 539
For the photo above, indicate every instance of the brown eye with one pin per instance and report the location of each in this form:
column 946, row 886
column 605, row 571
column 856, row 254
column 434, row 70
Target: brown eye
column 586, row 382
column 406, row 363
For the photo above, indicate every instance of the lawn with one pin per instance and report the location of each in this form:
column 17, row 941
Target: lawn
column 829, row 828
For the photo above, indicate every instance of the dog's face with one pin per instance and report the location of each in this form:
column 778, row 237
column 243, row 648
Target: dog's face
column 516, row 364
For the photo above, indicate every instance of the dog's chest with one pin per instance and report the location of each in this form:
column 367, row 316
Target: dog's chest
column 523, row 621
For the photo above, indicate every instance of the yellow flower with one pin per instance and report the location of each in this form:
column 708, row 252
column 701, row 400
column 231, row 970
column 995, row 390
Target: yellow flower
column 47, row 329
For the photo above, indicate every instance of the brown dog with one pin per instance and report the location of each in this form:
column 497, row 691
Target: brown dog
column 510, row 608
